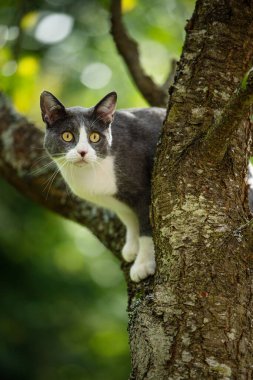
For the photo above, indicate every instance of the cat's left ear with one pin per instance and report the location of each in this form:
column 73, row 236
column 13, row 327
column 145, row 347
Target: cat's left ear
column 105, row 109
column 51, row 108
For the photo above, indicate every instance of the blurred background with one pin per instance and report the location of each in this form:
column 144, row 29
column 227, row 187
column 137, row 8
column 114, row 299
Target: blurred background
column 63, row 298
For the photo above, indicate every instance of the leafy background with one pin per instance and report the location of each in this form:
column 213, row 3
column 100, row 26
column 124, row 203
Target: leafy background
column 63, row 298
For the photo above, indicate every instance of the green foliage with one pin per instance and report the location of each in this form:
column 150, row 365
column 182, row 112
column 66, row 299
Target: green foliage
column 63, row 298
column 32, row 62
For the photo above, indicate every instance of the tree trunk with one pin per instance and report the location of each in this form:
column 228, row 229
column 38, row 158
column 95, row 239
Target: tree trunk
column 195, row 320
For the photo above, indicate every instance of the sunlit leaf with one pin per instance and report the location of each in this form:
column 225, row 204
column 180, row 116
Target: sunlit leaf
column 29, row 20
column 22, row 100
column 128, row 5
column 5, row 55
column 28, row 66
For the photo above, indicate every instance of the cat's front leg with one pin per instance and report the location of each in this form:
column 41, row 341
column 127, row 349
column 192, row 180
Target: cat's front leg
column 144, row 264
column 131, row 247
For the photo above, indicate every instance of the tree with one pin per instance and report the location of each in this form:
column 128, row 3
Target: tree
column 193, row 319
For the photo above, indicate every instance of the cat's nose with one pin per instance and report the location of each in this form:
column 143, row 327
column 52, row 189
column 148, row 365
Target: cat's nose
column 82, row 153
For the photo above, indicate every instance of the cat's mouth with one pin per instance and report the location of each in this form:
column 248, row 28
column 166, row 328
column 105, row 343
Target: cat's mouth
column 80, row 163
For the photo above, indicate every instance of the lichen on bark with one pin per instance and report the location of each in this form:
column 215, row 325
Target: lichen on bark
column 202, row 289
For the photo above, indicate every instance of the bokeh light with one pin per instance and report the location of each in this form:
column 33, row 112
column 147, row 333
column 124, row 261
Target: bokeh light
column 9, row 68
column 54, row 28
column 96, row 75
column 3, row 35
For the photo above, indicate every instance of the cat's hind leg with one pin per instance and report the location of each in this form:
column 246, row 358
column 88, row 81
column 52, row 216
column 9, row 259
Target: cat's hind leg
column 144, row 264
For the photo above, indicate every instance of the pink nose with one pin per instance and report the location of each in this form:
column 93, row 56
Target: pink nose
column 82, row 153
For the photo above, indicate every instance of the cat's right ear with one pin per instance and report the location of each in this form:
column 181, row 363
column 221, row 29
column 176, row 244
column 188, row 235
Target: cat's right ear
column 51, row 108
column 105, row 109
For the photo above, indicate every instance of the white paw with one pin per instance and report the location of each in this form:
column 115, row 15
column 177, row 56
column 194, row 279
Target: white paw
column 130, row 250
column 141, row 270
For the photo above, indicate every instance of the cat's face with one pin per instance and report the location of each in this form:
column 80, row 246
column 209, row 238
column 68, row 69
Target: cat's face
column 78, row 135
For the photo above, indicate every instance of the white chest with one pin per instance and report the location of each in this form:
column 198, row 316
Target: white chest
column 94, row 183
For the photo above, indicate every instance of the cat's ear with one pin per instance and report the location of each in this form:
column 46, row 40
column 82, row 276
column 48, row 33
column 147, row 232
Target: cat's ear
column 51, row 108
column 105, row 109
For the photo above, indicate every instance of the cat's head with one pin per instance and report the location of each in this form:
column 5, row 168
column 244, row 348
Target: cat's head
column 79, row 135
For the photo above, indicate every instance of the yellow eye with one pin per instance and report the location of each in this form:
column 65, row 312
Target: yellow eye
column 67, row 136
column 94, row 137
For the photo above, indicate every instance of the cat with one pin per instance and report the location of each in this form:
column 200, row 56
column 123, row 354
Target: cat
column 106, row 157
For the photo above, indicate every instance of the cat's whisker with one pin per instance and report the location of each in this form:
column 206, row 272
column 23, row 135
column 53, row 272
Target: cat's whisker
column 69, row 166
column 37, row 160
column 71, row 173
column 67, row 187
column 45, row 157
column 51, row 183
column 53, row 172
column 38, row 148
column 46, row 182
column 43, row 148
column 41, row 168
column 68, row 191
column 52, row 178
column 58, row 154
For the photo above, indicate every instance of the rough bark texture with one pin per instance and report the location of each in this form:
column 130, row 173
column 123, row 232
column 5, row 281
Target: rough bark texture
column 195, row 321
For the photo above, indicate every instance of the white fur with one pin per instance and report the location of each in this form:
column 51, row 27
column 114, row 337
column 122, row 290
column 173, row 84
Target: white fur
column 93, row 179
column 109, row 134
column 74, row 156
column 250, row 175
column 144, row 264
column 131, row 247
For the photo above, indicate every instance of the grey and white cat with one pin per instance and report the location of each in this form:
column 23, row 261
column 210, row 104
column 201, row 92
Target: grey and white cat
column 106, row 157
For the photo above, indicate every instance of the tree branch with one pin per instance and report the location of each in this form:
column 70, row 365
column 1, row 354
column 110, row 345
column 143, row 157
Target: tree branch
column 24, row 164
column 128, row 49
column 171, row 75
column 219, row 136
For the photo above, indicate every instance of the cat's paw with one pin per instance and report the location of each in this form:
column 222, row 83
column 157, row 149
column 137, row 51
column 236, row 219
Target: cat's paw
column 142, row 270
column 130, row 250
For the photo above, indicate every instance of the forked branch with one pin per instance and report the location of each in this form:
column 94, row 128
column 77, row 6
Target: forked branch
column 128, row 49
column 218, row 138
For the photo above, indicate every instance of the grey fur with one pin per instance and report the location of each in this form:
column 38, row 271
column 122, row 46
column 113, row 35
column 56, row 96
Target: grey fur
column 135, row 133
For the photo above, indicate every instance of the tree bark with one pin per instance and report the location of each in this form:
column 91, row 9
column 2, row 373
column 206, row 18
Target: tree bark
column 193, row 320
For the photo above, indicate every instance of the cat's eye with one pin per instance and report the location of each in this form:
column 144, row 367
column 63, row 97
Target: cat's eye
column 67, row 136
column 94, row 137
